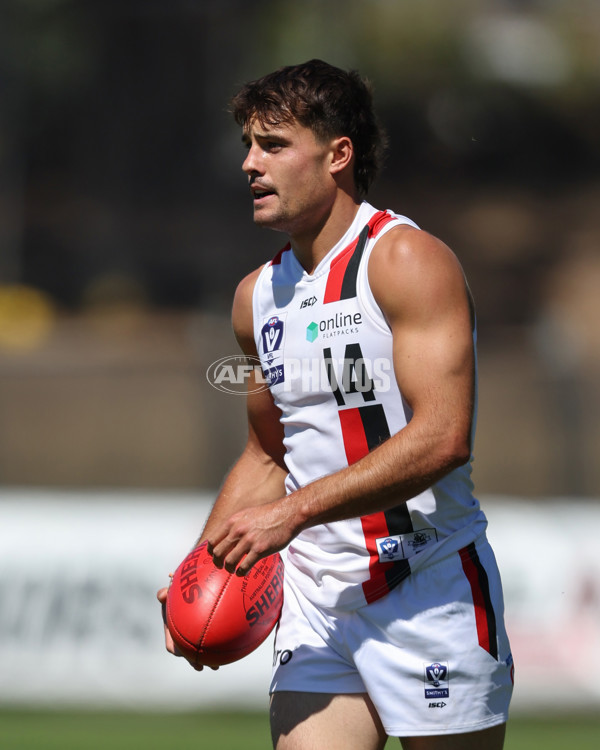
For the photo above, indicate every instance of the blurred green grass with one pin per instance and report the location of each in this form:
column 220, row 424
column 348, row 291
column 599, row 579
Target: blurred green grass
column 98, row 730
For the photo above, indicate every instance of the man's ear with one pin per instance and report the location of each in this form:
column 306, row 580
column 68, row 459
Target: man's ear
column 342, row 153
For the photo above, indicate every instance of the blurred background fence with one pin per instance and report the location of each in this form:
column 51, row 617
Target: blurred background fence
column 80, row 625
column 125, row 226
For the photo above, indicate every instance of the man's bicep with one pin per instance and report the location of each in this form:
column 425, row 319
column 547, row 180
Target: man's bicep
column 434, row 365
column 423, row 294
column 265, row 431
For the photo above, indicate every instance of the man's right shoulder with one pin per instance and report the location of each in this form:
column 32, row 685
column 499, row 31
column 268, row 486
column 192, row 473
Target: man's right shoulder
column 241, row 314
column 245, row 288
column 242, row 300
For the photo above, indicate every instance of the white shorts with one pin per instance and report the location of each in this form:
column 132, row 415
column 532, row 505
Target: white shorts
column 433, row 654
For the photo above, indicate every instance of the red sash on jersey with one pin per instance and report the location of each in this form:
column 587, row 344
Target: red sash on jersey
column 341, row 282
column 365, row 427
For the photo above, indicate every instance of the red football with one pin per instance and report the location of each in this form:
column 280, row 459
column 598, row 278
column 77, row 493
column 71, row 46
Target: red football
column 216, row 617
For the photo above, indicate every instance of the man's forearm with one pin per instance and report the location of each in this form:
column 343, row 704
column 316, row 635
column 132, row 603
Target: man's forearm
column 253, row 480
column 393, row 473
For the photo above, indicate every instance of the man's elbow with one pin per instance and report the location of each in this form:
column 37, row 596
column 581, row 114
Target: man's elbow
column 456, row 450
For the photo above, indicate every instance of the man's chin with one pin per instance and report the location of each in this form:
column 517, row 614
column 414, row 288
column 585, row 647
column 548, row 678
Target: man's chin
column 266, row 221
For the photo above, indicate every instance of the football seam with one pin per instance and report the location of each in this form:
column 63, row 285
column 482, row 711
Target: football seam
column 209, row 619
column 199, row 646
column 261, row 564
column 184, row 638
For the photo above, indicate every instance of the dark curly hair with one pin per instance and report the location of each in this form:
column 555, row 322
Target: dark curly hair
column 328, row 100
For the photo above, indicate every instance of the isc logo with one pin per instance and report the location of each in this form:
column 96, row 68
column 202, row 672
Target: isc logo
column 308, row 302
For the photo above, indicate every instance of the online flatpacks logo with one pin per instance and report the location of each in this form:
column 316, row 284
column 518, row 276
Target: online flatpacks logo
column 339, row 325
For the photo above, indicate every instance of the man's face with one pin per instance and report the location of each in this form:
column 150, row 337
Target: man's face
column 288, row 175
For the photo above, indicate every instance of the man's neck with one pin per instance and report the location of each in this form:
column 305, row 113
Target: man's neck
column 312, row 247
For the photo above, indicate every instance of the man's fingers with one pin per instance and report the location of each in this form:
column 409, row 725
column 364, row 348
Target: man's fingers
column 170, row 644
column 231, row 556
column 161, row 595
column 226, row 554
column 246, row 564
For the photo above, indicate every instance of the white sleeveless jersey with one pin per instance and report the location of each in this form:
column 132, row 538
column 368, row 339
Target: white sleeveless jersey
column 326, row 352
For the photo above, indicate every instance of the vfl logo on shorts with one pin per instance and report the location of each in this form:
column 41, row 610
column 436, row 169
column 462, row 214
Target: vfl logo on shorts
column 437, row 680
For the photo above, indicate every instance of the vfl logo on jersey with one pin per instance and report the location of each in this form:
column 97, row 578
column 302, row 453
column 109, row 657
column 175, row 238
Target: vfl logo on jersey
column 401, row 546
column 272, row 336
column 437, row 679
column 389, row 549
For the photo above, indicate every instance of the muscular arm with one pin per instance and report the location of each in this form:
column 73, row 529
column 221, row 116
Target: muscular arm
column 420, row 287
column 258, row 475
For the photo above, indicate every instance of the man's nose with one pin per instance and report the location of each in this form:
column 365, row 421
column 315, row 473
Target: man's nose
column 251, row 162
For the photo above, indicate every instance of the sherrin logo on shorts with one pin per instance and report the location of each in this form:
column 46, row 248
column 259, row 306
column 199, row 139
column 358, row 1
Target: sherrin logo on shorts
column 437, row 678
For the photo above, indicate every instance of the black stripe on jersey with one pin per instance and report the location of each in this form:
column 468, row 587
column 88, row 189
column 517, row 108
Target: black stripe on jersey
column 375, row 424
column 353, row 358
column 375, row 588
column 398, row 520
column 376, row 431
column 348, row 289
column 484, row 585
column 331, row 377
column 397, row 573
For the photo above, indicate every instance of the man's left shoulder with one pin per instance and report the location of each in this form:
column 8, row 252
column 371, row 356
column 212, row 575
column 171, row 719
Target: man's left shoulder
column 409, row 267
column 406, row 244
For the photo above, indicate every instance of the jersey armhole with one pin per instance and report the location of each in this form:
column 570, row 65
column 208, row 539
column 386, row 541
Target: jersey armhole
column 365, row 293
column 256, row 312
